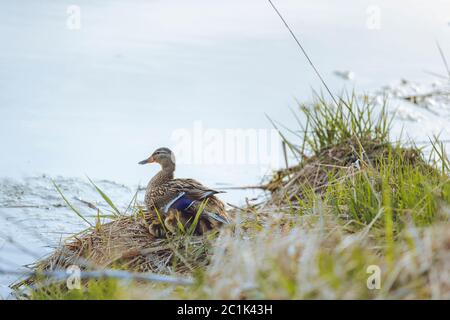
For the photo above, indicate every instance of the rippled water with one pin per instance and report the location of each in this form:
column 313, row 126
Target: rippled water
column 95, row 101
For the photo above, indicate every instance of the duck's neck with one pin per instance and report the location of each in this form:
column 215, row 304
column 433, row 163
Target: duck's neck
column 163, row 176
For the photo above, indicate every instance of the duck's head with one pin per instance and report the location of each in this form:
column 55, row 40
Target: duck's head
column 163, row 156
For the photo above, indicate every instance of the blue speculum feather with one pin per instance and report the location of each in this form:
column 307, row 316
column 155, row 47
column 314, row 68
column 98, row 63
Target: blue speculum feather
column 181, row 203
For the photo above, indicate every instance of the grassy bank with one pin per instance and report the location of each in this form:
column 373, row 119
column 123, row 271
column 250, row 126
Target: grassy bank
column 354, row 204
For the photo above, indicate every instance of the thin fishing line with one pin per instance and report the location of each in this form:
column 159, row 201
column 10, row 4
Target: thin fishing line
column 303, row 51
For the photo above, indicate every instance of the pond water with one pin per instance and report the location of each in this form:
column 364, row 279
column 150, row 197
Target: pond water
column 92, row 87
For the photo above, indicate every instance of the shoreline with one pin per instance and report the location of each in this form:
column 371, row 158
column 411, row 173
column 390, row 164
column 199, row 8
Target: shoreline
column 378, row 132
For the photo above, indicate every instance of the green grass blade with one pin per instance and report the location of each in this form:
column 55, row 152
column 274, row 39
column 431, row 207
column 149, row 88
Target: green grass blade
column 70, row 205
column 106, row 198
column 197, row 217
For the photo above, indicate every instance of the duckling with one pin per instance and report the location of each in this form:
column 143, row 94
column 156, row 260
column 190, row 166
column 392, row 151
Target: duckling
column 179, row 200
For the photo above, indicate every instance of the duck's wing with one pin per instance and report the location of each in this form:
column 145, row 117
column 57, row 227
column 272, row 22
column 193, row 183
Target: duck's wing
column 190, row 195
column 194, row 189
column 179, row 202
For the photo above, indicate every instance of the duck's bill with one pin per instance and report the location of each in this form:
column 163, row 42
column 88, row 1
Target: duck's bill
column 148, row 160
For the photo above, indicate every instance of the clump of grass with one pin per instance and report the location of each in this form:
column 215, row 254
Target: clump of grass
column 328, row 124
column 405, row 189
column 354, row 202
column 348, row 162
column 123, row 243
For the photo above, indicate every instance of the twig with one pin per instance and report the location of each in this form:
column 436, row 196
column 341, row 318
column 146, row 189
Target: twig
column 419, row 97
column 89, row 204
column 102, row 274
column 261, row 187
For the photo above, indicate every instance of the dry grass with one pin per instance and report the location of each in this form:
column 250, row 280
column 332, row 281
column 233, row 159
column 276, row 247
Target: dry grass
column 354, row 200
column 126, row 244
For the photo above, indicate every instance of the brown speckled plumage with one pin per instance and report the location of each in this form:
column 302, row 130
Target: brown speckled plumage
column 163, row 188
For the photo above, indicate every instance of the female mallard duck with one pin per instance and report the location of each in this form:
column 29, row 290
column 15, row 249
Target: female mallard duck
column 180, row 199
